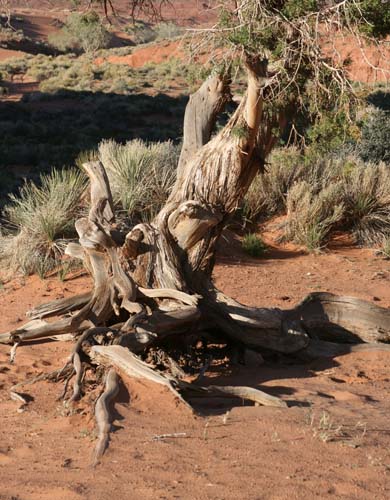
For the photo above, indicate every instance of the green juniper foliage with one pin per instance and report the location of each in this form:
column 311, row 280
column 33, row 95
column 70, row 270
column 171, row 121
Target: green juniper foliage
column 305, row 80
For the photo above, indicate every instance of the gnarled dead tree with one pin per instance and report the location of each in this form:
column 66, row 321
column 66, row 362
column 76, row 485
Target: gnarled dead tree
column 155, row 282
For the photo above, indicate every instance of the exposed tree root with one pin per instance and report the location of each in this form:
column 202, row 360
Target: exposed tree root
column 245, row 393
column 78, row 368
column 126, row 362
column 12, row 354
column 60, row 306
column 102, row 414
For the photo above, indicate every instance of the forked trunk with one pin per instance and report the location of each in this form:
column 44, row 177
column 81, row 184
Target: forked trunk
column 155, row 282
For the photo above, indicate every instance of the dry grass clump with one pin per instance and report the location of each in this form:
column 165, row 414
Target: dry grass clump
column 366, row 192
column 141, row 175
column 268, row 193
column 321, row 194
column 348, row 195
column 40, row 220
column 312, row 214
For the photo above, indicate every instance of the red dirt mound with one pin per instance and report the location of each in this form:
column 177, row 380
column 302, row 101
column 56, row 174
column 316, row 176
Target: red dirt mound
column 156, row 54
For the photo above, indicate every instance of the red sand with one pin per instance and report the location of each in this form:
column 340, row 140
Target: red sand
column 252, row 452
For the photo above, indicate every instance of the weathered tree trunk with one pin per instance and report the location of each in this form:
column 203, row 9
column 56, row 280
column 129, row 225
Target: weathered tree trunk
column 201, row 115
column 167, row 264
column 155, row 282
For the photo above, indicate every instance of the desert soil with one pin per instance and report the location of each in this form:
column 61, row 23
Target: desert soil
column 332, row 442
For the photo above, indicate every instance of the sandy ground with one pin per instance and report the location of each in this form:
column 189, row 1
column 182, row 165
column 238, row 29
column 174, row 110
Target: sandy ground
column 332, row 442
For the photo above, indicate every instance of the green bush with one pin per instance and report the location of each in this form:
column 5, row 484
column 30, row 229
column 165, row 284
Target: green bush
column 329, row 133
column 253, row 245
column 81, row 31
column 167, row 30
column 41, row 220
column 375, row 143
column 141, row 32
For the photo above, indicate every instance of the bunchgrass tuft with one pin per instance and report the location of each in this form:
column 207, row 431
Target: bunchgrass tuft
column 141, row 175
column 312, row 215
column 366, row 193
column 253, row 245
column 40, row 220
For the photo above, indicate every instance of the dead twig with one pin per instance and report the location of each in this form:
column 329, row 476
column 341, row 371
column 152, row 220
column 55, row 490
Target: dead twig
column 158, row 437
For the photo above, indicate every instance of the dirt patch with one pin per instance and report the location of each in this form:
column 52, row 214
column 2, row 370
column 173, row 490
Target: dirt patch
column 333, row 440
column 368, row 63
column 9, row 54
column 152, row 54
column 287, row 273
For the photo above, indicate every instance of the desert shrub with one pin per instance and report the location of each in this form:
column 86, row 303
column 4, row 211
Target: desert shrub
column 268, row 192
column 14, row 66
column 312, row 214
column 366, row 195
column 81, row 31
column 329, row 133
column 253, row 245
column 141, row 32
column 9, row 35
column 40, row 220
column 62, row 40
column 342, row 193
column 375, row 144
column 3, row 90
column 167, row 30
column 141, row 174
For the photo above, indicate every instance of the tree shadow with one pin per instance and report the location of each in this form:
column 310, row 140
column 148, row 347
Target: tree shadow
column 230, row 251
column 45, row 130
column 380, row 99
column 256, row 378
column 124, row 398
column 33, row 40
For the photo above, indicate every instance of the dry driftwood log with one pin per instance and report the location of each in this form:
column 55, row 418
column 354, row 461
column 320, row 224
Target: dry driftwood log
column 156, row 287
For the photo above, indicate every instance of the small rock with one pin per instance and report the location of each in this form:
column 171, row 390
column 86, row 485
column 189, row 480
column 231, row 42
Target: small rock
column 67, row 462
column 377, row 299
column 284, row 297
column 378, row 274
